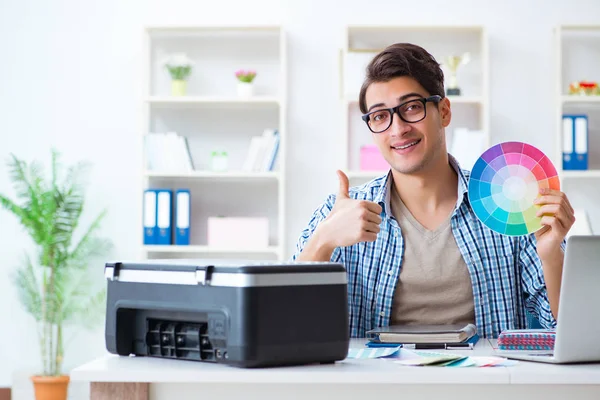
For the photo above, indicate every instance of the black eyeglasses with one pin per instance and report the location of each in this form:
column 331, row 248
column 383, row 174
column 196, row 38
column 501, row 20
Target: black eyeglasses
column 412, row 111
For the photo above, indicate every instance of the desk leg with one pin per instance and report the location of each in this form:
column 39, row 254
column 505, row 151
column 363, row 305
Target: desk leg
column 118, row 391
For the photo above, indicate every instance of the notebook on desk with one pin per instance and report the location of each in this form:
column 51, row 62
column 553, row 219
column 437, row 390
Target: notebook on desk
column 453, row 333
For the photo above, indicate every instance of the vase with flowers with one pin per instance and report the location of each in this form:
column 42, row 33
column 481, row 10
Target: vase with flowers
column 589, row 88
column 245, row 78
column 584, row 88
column 180, row 68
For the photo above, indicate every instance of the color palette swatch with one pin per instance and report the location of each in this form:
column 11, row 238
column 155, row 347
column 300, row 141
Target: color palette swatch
column 505, row 181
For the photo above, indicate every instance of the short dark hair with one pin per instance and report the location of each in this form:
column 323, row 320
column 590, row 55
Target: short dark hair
column 403, row 59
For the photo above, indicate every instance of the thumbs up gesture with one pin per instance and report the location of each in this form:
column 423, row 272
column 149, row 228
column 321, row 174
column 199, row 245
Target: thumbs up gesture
column 350, row 221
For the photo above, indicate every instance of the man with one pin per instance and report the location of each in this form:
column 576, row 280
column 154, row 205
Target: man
column 413, row 248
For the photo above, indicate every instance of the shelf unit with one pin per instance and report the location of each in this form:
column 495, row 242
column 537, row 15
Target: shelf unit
column 193, row 249
column 361, row 43
column 213, row 117
column 580, row 99
column 219, row 176
column 577, row 57
column 211, row 100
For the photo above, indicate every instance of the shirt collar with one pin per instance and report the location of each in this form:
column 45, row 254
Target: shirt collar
column 383, row 195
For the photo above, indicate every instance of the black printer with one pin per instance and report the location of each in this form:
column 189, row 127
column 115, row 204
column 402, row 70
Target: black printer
column 232, row 312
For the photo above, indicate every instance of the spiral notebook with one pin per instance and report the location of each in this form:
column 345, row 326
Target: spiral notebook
column 527, row 339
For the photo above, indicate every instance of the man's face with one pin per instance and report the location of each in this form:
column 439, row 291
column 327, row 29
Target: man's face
column 409, row 147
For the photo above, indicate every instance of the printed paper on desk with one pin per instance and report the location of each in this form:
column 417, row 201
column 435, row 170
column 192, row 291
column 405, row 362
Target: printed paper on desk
column 479, row 361
column 435, row 359
column 427, row 358
column 491, row 361
column 373, row 353
column 465, row 362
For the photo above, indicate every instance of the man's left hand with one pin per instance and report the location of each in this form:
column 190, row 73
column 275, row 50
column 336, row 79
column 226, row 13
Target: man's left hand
column 558, row 217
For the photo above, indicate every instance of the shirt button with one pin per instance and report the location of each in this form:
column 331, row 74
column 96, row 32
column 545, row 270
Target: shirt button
column 382, row 313
column 396, row 233
column 390, row 272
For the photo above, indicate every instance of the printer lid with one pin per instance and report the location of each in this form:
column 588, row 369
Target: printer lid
column 233, row 273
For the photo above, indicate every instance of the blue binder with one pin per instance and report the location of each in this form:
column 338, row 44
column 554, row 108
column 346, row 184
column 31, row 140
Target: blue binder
column 164, row 218
column 182, row 217
column 575, row 142
column 150, row 229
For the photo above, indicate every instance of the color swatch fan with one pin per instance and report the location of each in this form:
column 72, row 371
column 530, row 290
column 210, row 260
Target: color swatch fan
column 504, row 183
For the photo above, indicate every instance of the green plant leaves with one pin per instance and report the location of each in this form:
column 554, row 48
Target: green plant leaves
column 57, row 288
column 179, row 72
column 29, row 288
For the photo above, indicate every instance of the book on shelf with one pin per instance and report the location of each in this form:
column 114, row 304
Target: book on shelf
column 168, row 152
column 262, row 152
column 182, row 208
column 167, row 215
column 575, row 142
column 164, row 216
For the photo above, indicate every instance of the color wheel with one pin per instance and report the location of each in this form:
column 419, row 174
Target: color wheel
column 505, row 181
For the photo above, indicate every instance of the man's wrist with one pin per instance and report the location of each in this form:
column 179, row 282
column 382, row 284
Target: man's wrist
column 322, row 241
column 555, row 257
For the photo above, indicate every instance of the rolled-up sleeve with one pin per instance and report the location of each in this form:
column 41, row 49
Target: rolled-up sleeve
column 317, row 217
column 534, row 284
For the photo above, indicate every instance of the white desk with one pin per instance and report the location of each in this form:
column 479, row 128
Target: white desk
column 136, row 378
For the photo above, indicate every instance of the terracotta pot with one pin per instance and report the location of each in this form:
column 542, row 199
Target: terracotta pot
column 50, row 387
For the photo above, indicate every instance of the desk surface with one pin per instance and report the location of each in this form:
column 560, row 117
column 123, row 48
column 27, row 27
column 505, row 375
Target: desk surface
column 112, row 368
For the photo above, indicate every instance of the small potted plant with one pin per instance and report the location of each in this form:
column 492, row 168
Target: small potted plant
column 245, row 79
column 55, row 286
column 180, row 68
column 588, row 87
column 584, row 88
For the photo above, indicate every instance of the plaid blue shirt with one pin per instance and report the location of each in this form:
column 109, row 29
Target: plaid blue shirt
column 506, row 272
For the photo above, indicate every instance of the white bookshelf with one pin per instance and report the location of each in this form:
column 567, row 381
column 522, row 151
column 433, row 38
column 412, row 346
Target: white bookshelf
column 577, row 57
column 353, row 99
column 200, row 250
column 470, row 109
column 594, row 173
column 217, row 176
column 212, row 100
column 212, row 117
column 580, row 100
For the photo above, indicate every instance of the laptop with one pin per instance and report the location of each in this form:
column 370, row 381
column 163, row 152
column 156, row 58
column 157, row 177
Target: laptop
column 578, row 325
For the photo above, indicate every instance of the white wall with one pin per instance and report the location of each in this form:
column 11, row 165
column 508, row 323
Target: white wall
column 70, row 78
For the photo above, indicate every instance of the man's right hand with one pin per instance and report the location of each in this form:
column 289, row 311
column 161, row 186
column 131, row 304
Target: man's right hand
column 350, row 221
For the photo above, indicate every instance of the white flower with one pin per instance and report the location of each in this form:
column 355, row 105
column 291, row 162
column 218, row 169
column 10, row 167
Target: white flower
column 178, row 60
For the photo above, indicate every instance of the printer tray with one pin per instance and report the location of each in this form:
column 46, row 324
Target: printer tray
column 241, row 314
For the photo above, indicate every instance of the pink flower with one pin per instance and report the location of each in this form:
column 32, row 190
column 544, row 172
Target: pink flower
column 245, row 75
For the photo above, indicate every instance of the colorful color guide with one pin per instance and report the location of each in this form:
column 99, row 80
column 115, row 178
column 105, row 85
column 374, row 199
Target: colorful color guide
column 504, row 183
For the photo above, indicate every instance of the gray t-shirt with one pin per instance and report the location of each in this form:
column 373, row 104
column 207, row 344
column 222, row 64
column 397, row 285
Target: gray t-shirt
column 434, row 286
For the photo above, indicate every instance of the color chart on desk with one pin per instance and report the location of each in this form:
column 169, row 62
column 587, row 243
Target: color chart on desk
column 505, row 181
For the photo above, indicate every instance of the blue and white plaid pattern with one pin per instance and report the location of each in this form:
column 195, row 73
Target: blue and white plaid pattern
column 506, row 272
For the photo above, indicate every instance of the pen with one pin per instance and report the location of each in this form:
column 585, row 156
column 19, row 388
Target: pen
column 375, row 344
column 438, row 346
